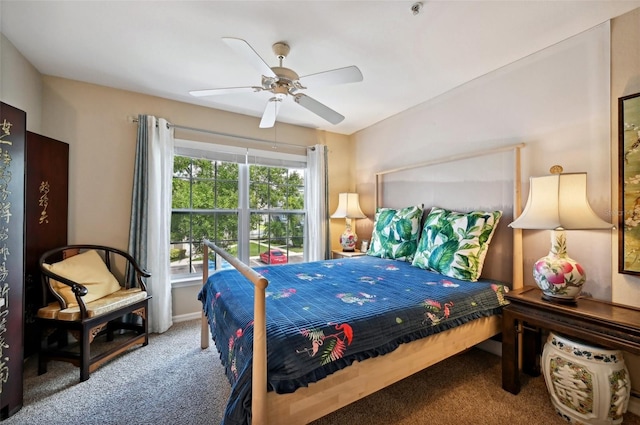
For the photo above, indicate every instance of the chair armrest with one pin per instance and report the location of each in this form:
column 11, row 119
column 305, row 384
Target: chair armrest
column 78, row 289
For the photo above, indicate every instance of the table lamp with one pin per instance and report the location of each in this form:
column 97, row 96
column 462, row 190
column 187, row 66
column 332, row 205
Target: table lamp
column 348, row 208
column 559, row 202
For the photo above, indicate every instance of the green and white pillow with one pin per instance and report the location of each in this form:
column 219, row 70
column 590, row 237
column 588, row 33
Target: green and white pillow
column 395, row 233
column 455, row 244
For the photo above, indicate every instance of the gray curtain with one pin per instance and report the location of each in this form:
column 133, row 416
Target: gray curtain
column 149, row 234
column 138, row 229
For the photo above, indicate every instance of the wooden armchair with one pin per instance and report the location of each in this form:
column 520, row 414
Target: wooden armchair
column 97, row 290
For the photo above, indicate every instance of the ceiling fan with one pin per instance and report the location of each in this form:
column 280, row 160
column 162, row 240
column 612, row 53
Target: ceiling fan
column 283, row 81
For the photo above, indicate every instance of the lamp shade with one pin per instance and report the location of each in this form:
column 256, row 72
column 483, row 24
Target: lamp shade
column 348, row 207
column 559, row 201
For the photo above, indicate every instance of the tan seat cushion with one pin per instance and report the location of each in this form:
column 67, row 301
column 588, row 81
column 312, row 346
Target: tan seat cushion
column 88, row 269
column 106, row 304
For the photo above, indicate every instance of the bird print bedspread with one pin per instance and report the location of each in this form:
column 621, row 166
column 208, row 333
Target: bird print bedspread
column 324, row 315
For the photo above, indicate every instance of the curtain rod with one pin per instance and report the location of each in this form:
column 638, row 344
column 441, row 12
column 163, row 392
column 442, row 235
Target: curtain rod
column 235, row 136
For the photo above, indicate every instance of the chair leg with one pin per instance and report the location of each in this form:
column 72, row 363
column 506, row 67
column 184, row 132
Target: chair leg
column 85, row 354
column 110, row 332
column 145, row 328
column 42, row 361
column 42, row 365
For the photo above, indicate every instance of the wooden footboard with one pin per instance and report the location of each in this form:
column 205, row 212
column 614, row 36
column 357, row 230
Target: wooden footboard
column 366, row 377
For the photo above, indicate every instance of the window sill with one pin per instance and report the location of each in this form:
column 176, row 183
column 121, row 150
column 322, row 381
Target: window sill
column 186, row 281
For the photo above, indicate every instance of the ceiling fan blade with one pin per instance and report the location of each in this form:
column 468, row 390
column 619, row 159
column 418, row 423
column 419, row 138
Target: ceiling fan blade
column 243, row 48
column 349, row 74
column 318, row 108
column 270, row 113
column 227, row 90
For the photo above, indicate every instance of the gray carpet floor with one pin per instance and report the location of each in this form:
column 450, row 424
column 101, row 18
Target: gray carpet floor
column 173, row 381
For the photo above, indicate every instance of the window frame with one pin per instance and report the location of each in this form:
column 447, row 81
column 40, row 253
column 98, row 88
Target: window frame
column 245, row 158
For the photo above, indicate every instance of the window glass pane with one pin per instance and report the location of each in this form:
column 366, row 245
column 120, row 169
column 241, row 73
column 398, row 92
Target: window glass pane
column 203, row 168
column 222, row 228
column 296, row 232
column 227, row 171
column 181, row 166
column 227, row 194
column 181, row 193
column 187, row 232
column 281, row 232
column 180, row 227
column 258, row 196
column 203, row 194
column 180, row 243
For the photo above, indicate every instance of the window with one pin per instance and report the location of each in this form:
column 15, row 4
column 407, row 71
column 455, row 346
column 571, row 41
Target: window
column 276, row 211
column 250, row 203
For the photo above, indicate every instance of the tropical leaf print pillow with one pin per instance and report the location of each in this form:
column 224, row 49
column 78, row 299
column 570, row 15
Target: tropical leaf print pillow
column 455, row 244
column 395, row 233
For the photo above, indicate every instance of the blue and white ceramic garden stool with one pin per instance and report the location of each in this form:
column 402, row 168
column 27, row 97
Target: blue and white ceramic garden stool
column 587, row 384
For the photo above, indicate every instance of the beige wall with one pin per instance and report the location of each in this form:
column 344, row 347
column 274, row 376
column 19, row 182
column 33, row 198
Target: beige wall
column 625, row 80
column 20, row 84
column 341, row 177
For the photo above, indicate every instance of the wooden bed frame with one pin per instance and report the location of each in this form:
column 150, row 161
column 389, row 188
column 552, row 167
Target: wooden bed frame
column 365, row 377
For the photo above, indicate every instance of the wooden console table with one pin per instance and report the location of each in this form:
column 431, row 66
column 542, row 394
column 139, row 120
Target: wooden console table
column 601, row 323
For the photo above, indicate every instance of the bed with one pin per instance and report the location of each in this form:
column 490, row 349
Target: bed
column 306, row 339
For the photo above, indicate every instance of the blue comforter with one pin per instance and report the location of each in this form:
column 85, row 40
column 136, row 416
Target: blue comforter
column 322, row 316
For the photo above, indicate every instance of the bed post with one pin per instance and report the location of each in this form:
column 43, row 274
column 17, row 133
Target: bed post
column 204, row 326
column 518, row 273
column 259, row 373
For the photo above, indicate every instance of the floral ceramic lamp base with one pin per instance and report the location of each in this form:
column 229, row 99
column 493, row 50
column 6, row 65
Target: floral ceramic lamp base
column 348, row 239
column 559, row 277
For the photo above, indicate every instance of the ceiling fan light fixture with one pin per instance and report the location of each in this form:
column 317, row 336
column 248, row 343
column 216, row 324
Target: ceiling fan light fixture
column 280, row 92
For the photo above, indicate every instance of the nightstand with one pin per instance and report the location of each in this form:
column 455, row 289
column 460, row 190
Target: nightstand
column 605, row 324
column 336, row 253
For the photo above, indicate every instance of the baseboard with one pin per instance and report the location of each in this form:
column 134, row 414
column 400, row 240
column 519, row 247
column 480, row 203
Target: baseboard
column 491, row 346
column 634, row 405
column 186, row 317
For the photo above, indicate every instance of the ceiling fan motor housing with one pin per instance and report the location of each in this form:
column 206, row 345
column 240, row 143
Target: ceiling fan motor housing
column 285, row 81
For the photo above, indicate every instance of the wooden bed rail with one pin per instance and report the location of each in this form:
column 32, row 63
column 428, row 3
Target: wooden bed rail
column 259, row 374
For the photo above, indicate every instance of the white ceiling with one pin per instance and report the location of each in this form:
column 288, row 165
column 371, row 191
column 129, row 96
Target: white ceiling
column 167, row 48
